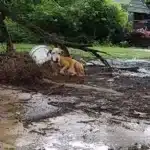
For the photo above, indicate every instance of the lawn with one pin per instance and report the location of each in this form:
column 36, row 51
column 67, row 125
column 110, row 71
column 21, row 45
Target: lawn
column 126, row 53
column 115, row 52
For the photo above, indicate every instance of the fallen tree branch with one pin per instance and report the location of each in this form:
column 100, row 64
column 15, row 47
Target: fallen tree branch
column 84, row 47
column 5, row 33
column 53, row 39
column 95, row 53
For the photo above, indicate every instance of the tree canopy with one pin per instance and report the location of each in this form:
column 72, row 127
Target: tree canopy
column 81, row 20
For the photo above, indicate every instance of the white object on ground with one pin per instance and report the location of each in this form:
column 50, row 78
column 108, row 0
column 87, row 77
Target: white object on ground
column 40, row 54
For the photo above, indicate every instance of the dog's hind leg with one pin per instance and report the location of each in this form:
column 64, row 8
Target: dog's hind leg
column 71, row 69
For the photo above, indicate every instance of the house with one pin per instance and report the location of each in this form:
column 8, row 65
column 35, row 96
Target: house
column 139, row 12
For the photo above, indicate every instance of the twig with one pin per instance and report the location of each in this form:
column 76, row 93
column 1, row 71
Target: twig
column 87, row 121
column 41, row 133
column 90, row 110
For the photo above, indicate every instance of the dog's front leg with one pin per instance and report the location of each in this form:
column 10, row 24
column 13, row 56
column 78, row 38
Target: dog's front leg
column 62, row 71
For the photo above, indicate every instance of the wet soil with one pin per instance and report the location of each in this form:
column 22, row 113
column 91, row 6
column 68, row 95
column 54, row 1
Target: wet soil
column 134, row 92
column 9, row 118
column 46, row 116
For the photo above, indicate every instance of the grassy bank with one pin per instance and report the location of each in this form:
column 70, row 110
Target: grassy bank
column 116, row 52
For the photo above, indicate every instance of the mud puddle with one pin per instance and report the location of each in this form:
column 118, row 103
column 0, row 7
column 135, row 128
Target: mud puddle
column 124, row 63
column 77, row 130
column 71, row 123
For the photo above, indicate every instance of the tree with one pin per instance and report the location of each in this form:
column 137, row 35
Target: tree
column 3, row 13
column 98, row 19
column 13, row 9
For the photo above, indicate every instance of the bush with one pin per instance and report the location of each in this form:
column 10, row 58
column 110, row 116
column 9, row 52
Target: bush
column 80, row 20
column 98, row 19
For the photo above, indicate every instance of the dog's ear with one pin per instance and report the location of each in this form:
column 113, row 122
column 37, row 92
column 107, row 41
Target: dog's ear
column 57, row 50
column 61, row 51
column 49, row 52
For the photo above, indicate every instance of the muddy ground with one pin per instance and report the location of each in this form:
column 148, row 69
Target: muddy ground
column 112, row 113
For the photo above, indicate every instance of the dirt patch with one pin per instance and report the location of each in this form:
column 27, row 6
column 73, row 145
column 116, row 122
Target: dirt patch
column 9, row 119
column 99, row 84
column 18, row 68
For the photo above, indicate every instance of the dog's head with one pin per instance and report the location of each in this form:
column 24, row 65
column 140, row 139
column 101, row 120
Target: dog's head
column 56, row 51
column 55, row 57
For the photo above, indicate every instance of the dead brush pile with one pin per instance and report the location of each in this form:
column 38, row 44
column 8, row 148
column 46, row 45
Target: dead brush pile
column 16, row 68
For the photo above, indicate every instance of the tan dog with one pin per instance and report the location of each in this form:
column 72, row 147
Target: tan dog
column 68, row 64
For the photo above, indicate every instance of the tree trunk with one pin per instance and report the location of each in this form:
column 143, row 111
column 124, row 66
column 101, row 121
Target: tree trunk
column 5, row 33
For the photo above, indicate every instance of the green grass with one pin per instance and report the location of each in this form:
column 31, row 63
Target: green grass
column 115, row 52
column 125, row 53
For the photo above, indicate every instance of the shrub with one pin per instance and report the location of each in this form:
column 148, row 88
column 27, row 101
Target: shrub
column 98, row 19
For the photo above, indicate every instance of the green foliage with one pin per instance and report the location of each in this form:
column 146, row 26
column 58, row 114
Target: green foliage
column 15, row 9
column 129, row 26
column 98, row 19
column 88, row 20
column 147, row 1
column 49, row 16
column 65, row 3
column 19, row 33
